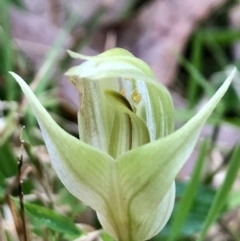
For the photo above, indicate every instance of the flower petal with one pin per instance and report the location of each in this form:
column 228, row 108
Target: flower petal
column 133, row 77
column 140, row 231
column 95, row 115
column 84, row 170
column 158, row 219
column 112, row 59
column 139, row 132
column 155, row 107
column 145, row 174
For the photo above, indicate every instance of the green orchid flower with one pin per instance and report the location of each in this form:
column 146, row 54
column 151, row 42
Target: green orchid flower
column 128, row 156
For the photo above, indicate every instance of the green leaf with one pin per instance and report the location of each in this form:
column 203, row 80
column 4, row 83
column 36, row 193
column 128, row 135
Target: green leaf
column 8, row 160
column 10, row 85
column 52, row 219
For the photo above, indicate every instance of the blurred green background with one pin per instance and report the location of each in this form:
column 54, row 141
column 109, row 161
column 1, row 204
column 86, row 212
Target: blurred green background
column 191, row 45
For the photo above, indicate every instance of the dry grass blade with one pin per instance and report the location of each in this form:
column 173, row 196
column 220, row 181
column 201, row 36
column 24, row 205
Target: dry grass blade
column 17, row 219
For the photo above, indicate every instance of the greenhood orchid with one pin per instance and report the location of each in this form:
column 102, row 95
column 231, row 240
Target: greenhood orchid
column 128, row 155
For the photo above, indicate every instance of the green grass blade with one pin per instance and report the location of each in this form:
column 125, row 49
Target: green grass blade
column 196, row 76
column 46, row 71
column 216, row 51
column 222, row 194
column 7, row 50
column 196, row 59
column 189, row 194
column 222, row 37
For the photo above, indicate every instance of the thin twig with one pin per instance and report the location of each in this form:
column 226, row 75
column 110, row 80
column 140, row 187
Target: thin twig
column 20, row 192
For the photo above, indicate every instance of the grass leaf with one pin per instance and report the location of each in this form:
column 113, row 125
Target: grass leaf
column 222, row 194
column 52, row 219
column 189, row 194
